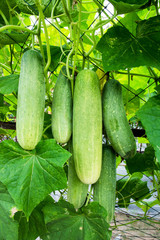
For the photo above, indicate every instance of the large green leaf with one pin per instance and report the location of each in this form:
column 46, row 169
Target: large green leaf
column 31, row 175
column 121, row 50
column 125, row 6
column 8, row 227
column 63, row 222
column 149, row 116
column 131, row 188
column 9, row 84
column 35, row 226
column 142, row 162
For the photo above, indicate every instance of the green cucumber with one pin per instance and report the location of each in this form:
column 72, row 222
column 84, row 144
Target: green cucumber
column 31, row 100
column 87, row 127
column 115, row 121
column 77, row 191
column 104, row 190
column 62, row 108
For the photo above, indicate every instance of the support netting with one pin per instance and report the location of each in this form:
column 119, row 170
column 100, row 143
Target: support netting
column 136, row 217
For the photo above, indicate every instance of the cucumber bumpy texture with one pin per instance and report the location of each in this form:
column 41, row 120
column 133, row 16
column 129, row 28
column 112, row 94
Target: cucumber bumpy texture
column 31, row 100
column 87, row 127
column 115, row 121
column 62, row 108
column 77, row 191
column 105, row 188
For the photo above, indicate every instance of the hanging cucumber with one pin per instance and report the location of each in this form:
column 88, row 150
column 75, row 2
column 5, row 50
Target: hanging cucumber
column 31, row 100
column 105, row 188
column 62, row 108
column 77, row 191
column 87, row 127
column 115, row 120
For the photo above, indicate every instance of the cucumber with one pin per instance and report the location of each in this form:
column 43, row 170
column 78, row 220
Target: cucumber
column 104, row 190
column 62, row 108
column 77, row 191
column 115, row 120
column 87, row 127
column 31, row 100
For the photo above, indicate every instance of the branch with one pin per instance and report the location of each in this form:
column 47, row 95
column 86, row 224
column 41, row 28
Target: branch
column 8, row 125
column 12, row 125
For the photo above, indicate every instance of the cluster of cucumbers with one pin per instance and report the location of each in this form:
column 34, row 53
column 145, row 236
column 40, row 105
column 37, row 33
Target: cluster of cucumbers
column 77, row 120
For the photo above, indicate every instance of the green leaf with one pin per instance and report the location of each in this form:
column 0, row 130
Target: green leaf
column 131, row 188
column 149, row 116
column 35, row 226
column 130, row 22
column 9, row 84
column 31, row 175
column 7, row 38
column 86, row 224
column 8, row 227
column 142, row 162
column 121, row 50
column 125, row 6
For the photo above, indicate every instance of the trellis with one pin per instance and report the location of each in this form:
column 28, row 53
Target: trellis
column 125, row 225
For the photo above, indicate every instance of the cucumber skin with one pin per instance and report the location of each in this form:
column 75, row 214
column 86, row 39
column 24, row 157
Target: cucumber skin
column 115, row 120
column 77, row 191
column 62, row 108
column 31, row 100
column 87, row 127
column 104, row 190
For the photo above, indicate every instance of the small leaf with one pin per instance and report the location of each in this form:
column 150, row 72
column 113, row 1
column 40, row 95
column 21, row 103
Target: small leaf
column 8, row 227
column 142, row 162
column 86, row 224
column 131, row 188
column 9, row 84
column 125, row 6
column 149, row 115
column 31, row 175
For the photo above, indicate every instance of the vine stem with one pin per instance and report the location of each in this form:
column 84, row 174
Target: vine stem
column 127, row 94
column 42, row 19
column 4, row 17
column 47, row 39
column 14, row 27
column 156, row 185
column 66, row 9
